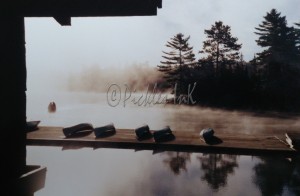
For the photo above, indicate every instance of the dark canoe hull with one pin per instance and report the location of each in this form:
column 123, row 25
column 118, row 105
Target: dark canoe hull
column 184, row 141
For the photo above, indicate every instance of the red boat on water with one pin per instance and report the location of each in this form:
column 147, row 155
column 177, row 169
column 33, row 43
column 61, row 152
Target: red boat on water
column 52, row 107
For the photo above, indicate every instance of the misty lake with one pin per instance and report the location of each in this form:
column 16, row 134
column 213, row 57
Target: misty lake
column 112, row 172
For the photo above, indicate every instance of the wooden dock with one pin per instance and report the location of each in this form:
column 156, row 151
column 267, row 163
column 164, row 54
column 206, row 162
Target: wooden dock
column 242, row 144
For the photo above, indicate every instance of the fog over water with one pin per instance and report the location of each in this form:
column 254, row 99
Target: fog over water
column 96, row 79
column 88, row 96
column 114, row 172
column 75, row 66
column 77, row 107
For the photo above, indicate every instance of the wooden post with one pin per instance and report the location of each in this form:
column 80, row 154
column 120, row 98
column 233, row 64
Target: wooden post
column 13, row 98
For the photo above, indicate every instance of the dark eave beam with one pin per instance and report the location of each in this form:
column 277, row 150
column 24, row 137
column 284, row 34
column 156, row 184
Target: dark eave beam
column 80, row 8
column 63, row 20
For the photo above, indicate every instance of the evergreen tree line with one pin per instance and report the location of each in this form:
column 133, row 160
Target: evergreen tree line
column 271, row 80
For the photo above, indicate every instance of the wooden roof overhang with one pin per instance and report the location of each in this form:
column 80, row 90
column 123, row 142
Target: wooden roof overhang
column 63, row 10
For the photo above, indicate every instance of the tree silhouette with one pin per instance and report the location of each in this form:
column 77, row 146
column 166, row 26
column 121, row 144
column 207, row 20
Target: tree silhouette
column 271, row 80
column 294, row 180
column 216, row 168
column 177, row 161
column 279, row 60
column 273, row 174
column 177, row 62
column 220, row 47
column 280, row 43
column 223, row 76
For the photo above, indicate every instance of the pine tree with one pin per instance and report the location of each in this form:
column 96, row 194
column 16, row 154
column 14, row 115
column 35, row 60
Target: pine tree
column 279, row 41
column 177, row 63
column 221, row 48
column 279, row 60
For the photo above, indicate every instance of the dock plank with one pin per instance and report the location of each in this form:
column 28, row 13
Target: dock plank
column 184, row 141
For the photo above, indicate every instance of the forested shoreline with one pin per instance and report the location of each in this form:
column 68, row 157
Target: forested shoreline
column 270, row 81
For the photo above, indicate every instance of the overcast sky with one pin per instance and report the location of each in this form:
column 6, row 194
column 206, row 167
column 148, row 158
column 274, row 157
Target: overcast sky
column 122, row 41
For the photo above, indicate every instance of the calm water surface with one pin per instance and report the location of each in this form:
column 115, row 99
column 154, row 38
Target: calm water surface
column 112, row 172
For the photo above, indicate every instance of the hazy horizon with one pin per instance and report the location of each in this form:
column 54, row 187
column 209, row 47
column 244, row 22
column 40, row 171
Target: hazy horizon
column 54, row 52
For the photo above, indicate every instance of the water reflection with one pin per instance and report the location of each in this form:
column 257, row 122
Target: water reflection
column 294, row 182
column 109, row 172
column 278, row 176
column 216, row 168
column 128, row 172
column 177, row 161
